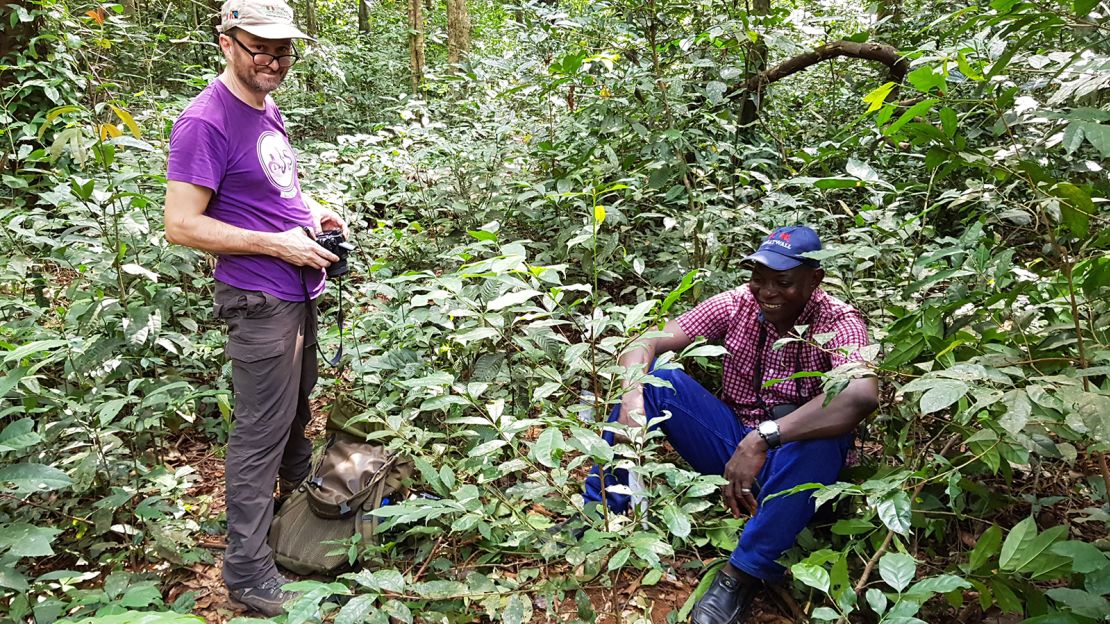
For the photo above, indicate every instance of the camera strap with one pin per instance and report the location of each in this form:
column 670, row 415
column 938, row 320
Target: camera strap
column 333, row 361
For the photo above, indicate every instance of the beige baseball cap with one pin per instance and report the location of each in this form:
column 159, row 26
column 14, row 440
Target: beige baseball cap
column 269, row 19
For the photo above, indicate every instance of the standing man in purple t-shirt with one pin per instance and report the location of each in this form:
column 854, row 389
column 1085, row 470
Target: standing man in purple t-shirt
column 234, row 191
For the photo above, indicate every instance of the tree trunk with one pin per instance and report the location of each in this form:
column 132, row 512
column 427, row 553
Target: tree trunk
column 310, row 23
column 363, row 17
column 416, row 44
column 885, row 54
column 458, row 31
column 755, row 63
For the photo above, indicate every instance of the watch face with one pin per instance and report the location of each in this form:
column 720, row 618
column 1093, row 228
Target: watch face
column 768, row 427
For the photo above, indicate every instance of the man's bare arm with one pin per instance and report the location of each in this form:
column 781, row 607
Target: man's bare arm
column 642, row 353
column 186, row 224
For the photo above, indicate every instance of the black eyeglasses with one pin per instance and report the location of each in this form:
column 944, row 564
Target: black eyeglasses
column 265, row 58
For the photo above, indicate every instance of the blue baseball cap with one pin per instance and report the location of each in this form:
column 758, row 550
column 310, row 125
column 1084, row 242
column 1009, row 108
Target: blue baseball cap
column 782, row 249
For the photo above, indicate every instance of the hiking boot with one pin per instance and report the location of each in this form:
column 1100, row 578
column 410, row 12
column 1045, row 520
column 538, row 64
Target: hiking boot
column 266, row 598
column 285, row 489
column 725, row 602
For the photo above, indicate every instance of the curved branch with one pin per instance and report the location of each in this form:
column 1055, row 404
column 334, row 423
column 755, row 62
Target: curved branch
column 881, row 52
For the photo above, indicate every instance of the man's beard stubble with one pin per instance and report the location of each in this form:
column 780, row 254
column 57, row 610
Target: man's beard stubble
column 262, row 82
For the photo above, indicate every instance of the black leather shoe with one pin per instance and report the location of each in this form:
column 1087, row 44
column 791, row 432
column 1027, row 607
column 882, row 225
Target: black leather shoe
column 725, row 602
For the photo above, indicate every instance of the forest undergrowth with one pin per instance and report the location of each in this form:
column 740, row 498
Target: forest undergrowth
column 584, row 174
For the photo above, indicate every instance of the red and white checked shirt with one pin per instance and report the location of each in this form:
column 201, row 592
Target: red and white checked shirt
column 734, row 318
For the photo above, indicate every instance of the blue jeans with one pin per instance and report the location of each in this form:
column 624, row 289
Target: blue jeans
column 705, row 431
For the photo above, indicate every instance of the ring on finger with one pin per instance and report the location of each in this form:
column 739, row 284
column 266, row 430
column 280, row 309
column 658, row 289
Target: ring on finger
column 746, row 490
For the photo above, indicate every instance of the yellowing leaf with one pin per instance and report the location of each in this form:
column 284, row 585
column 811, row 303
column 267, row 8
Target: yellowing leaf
column 878, row 96
column 599, row 214
column 109, row 131
column 128, row 121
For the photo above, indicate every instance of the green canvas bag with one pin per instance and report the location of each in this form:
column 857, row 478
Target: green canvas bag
column 350, row 480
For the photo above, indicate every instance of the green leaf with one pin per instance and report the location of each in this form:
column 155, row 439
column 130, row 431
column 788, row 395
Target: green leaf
column 852, row 526
column 439, row 590
column 926, row 78
column 1080, row 602
column 942, row 394
column 480, row 333
column 512, row 299
column 1083, row 7
column 677, row 521
column 638, row 314
column 30, row 477
column 390, row 580
column 1076, row 209
column 812, row 575
column 986, row 547
column 1098, row 135
column 618, row 560
column 12, row 379
column 897, row 570
column 948, row 121
column 876, row 600
column 1085, row 558
column 25, row 540
column 19, row 435
column 894, row 511
column 357, row 610
column 941, row 584
column 550, row 441
column 687, row 282
column 877, row 96
column 33, row 347
column 1025, row 550
column 715, row 92
column 141, row 596
column 917, row 110
column 518, row 610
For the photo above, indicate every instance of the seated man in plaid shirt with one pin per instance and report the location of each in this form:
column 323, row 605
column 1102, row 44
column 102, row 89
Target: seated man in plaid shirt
column 762, row 439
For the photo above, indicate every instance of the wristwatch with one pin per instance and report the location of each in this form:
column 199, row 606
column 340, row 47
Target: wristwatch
column 769, row 431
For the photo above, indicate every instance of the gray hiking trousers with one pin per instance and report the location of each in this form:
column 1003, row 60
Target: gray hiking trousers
column 271, row 345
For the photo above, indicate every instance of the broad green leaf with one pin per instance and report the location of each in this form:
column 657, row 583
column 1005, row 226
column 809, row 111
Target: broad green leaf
column 677, row 521
column 894, row 511
column 638, row 314
column 19, row 435
column 1098, row 135
column 141, row 596
column 986, row 547
column 1025, row 550
column 618, row 560
column 948, row 121
column 939, row 585
column 715, row 91
column 705, row 350
column 1085, row 558
column 812, row 575
column 876, row 600
column 550, row 441
column 33, row 347
column 942, row 394
column 25, row 540
column 11, row 379
column 29, row 478
column 439, row 590
column 897, row 570
column 1081, row 602
column 917, row 110
column 1075, row 209
column 518, row 610
column 511, row 299
column 479, row 333
column 357, row 610
column 861, row 170
column 926, row 78
column 1083, row 7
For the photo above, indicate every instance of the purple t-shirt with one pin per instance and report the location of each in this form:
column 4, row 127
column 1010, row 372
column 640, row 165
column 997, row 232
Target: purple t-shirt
column 243, row 155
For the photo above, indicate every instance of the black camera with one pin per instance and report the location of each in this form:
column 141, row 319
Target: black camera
column 333, row 241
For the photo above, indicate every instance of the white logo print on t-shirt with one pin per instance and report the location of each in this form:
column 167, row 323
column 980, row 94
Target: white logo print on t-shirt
column 277, row 160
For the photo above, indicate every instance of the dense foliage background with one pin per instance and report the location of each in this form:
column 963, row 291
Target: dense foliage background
column 582, row 174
